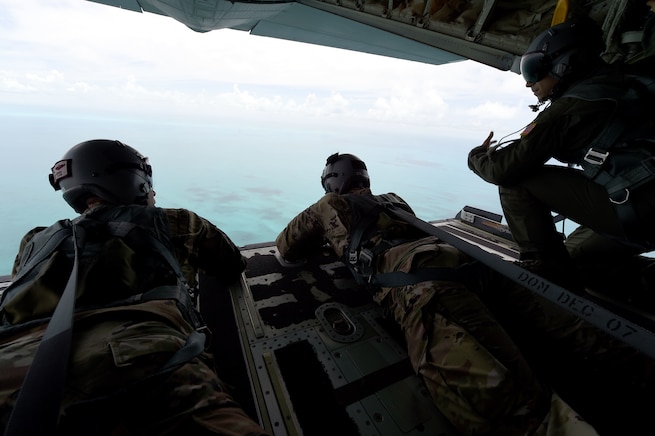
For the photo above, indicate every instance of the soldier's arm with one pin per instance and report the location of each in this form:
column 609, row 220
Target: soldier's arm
column 303, row 236
column 219, row 256
column 26, row 239
column 511, row 163
column 199, row 244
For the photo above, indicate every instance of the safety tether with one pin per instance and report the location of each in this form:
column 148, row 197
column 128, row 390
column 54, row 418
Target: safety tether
column 631, row 333
column 360, row 259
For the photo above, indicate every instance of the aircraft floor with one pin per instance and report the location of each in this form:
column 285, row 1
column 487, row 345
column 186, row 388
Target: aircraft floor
column 320, row 356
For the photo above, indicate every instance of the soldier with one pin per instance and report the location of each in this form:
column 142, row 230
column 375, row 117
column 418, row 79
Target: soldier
column 475, row 374
column 137, row 363
column 599, row 118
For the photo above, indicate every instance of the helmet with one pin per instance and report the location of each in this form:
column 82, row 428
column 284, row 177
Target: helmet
column 344, row 172
column 108, row 169
column 567, row 50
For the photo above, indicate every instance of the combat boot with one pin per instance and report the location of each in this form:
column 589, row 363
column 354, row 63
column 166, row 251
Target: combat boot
column 557, row 269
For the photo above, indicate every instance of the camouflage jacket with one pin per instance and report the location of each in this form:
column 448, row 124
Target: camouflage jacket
column 567, row 125
column 198, row 244
column 331, row 220
column 564, row 130
column 112, row 271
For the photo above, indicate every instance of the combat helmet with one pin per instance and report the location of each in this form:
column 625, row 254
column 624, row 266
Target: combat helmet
column 566, row 51
column 344, row 172
column 105, row 168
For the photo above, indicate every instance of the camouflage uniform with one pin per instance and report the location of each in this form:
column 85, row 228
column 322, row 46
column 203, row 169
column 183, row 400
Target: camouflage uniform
column 198, row 244
column 475, row 374
column 116, row 348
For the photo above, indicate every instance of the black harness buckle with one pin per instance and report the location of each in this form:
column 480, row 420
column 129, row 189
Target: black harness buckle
column 595, row 157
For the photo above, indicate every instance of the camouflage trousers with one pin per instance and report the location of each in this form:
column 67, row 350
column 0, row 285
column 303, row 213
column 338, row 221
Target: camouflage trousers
column 114, row 350
column 474, row 372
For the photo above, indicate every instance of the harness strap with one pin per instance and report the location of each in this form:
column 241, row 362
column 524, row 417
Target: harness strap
column 356, row 240
column 632, row 334
column 362, row 225
column 620, row 189
column 399, row 278
column 598, row 152
column 85, row 409
column 616, row 185
column 44, row 252
column 194, row 346
column 361, row 260
column 36, row 411
column 636, row 95
column 123, row 228
column 179, row 293
column 42, row 389
column 631, row 101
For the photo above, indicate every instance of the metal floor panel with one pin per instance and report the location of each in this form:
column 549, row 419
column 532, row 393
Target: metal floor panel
column 318, row 307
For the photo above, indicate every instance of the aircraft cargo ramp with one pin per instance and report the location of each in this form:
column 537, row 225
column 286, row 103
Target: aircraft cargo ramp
column 306, row 351
column 321, row 358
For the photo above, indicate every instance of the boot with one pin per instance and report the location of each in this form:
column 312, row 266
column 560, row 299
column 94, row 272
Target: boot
column 557, row 269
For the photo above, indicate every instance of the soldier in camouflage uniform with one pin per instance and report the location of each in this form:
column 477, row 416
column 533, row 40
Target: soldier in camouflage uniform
column 116, row 348
column 475, row 374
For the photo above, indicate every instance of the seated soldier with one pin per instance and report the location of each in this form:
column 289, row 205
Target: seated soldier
column 137, row 363
column 475, row 374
